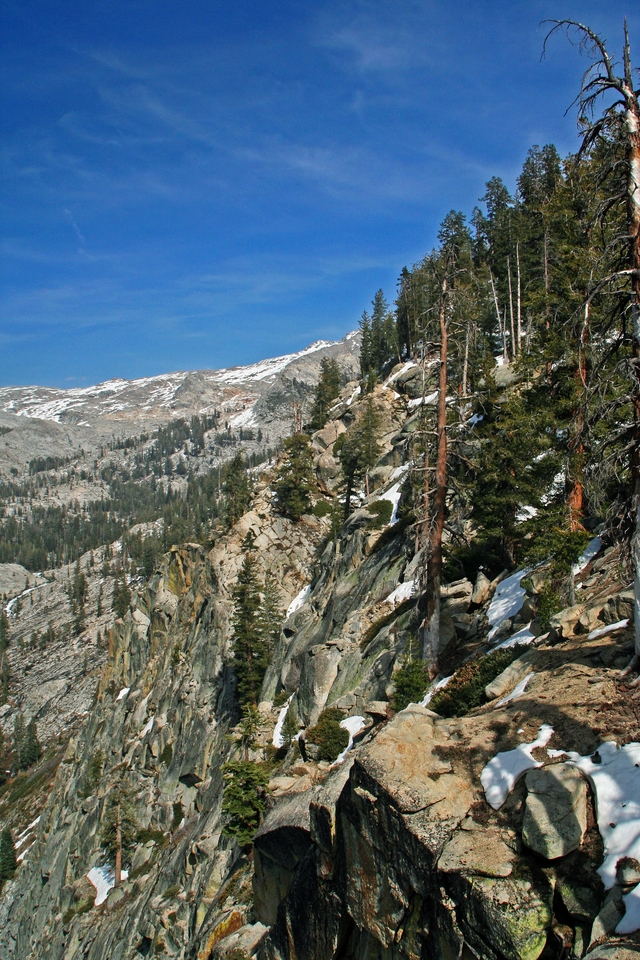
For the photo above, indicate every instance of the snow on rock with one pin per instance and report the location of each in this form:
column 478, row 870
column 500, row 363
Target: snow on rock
column 393, row 496
column 148, row 727
column 591, row 550
column 526, row 512
column 523, row 636
column 407, row 365
column 402, row 592
column 103, row 879
column 353, row 726
column 123, row 693
column 517, row 691
column 400, row 471
column 278, row 740
column 298, row 601
column 507, row 600
column 476, row 418
column 500, row 774
column 418, row 401
column 433, row 689
column 615, row 776
column 611, row 628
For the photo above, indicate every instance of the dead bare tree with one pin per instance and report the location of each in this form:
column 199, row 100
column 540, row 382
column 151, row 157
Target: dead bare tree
column 619, row 119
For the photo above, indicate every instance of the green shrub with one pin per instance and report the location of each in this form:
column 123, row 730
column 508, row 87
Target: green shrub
column 167, row 755
column 328, row 735
column 143, row 836
column 466, row 689
column 548, row 603
column 381, row 510
column 410, row 682
column 321, row 509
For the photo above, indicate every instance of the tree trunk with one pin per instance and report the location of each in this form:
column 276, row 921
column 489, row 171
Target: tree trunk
column 632, row 120
column 519, row 300
column 118, row 870
column 431, row 642
column 514, row 349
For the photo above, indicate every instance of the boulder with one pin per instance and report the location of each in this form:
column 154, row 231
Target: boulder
column 511, row 675
column 555, row 818
column 481, row 590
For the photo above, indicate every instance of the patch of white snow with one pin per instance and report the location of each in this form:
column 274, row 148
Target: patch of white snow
column 148, row 727
column 517, row 691
column 402, row 592
column 278, row 740
column 523, row 636
column 507, row 600
column 591, row 550
column 611, row 628
column 433, row 689
column 123, row 693
column 501, row 773
column 298, row 601
column 353, row 726
column 103, row 879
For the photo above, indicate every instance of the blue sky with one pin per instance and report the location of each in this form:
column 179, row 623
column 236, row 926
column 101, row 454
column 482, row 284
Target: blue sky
column 200, row 183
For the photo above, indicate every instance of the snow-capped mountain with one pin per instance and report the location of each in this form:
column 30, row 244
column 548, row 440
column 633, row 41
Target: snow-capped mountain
column 49, row 421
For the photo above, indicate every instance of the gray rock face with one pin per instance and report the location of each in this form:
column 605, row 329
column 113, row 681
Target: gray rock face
column 555, row 818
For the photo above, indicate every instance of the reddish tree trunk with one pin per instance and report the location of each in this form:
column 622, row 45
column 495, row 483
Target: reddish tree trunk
column 431, row 644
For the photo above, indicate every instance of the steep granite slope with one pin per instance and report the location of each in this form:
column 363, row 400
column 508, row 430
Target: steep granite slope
column 396, row 852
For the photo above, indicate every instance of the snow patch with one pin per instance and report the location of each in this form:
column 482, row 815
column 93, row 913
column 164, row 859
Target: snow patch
column 523, row 636
column 592, row 549
column 148, row 727
column 517, row 691
column 298, row 601
column 278, row 740
column 353, row 726
column 418, row 401
column 433, row 689
column 103, row 879
column 123, row 693
column 407, row 365
column 500, row 774
column 525, row 513
column 611, row 628
column 401, row 593
column 507, row 600
column 393, row 496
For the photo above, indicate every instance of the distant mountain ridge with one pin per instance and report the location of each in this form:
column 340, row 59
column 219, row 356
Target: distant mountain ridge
column 52, row 421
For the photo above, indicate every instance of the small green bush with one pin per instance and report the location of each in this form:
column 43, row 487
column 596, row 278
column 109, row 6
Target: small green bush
column 410, row 682
column 548, row 603
column 328, row 735
column 381, row 510
column 321, row 509
column 143, row 836
column 167, row 755
column 466, row 689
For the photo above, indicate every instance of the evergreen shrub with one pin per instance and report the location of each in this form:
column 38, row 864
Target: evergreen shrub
column 410, row 682
column 381, row 510
column 466, row 689
column 328, row 735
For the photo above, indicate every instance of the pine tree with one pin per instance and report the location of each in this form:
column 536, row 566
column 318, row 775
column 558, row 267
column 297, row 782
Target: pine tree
column 8, row 861
column 236, row 489
column 30, row 750
column 326, row 392
column 18, row 738
column 5, row 631
column 119, row 827
column 244, row 798
column 272, row 615
column 294, row 479
column 250, row 647
column 3, row 759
